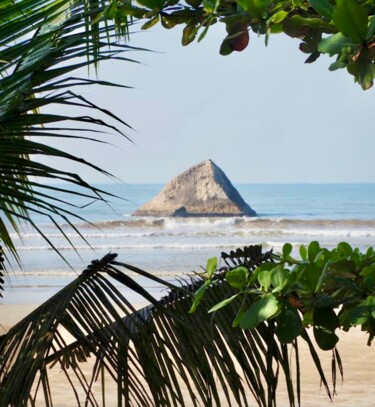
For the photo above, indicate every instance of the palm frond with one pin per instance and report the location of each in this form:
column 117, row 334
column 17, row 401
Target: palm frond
column 42, row 44
column 159, row 355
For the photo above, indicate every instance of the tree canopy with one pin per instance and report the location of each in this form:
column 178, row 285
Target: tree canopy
column 344, row 29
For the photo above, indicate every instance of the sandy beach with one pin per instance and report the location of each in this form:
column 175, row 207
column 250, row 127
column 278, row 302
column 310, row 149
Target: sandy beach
column 357, row 388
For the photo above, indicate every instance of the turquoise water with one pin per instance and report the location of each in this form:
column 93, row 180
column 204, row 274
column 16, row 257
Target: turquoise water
column 173, row 246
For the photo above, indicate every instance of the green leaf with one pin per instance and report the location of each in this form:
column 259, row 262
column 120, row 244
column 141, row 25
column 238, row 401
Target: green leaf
column 363, row 312
column 287, row 250
column 289, row 324
column 325, row 323
column 210, row 6
column 350, row 17
column 223, row 303
column 279, row 278
column 150, row 23
column 211, row 266
column 369, row 277
column 189, row 33
column 279, row 16
column 325, row 339
column 264, row 278
column 309, row 278
column 152, row 4
column 326, row 318
column 323, row 7
column 344, row 249
column 335, row 44
column 313, row 250
column 238, row 277
column 371, row 29
column 198, row 296
column 255, row 8
column 268, row 307
column 260, row 311
column 303, row 252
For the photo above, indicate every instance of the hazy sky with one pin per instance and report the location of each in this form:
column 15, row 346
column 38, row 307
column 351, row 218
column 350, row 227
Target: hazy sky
column 262, row 115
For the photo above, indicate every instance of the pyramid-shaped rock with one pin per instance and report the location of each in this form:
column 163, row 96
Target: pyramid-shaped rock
column 202, row 190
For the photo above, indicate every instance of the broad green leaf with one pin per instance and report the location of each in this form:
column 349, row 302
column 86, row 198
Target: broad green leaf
column 152, row 4
column 369, row 277
column 260, row 311
column 289, row 324
column 344, row 249
column 249, row 319
column 313, row 250
column 335, row 44
column 268, row 307
column 223, row 303
column 303, row 252
column 210, row 6
column 150, row 23
column 363, row 312
column 189, row 33
column 368, row 271
column 308, row 278
column 325, row 339
column 287, row 250
column 238, row 277
column 264, row 278
column 279, row 16
column 371, row 28
column 255, row 8
column 325, row 323
column 350, row 17
column 276, row 29
column 323, row 7
column 225, row 48
column 326, row 318
column 211, row 266
column 279, row 278
column 198, row 296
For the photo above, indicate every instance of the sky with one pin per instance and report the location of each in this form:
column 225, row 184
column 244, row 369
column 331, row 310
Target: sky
column 262, row 115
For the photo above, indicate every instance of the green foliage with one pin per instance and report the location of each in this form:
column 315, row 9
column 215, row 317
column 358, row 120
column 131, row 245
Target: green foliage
column 42, row 44
column 326, row 290
column 343, row 29
column 145, row 354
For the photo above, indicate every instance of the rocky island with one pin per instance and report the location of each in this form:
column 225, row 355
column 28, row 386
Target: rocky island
column 202, row 190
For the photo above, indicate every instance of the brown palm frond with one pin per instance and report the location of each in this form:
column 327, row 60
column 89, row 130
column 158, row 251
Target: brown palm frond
column 159, row 355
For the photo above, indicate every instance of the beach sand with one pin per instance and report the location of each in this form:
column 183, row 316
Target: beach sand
column 358, row 388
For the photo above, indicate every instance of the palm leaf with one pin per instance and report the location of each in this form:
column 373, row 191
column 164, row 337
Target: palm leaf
column 149, row 355
column 42, row 44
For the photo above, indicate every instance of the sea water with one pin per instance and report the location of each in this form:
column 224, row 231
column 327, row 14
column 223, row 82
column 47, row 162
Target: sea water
column 170, row 247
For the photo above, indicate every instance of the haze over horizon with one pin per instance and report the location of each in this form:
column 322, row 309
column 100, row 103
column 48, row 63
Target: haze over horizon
column 261, row 115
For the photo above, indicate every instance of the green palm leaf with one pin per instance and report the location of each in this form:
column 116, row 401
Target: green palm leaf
column 42, row 43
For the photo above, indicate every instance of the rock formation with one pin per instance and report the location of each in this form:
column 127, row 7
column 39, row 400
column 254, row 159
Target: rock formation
column 202, row 190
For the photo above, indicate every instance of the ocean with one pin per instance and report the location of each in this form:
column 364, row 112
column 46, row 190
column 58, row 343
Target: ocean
column 174, row 247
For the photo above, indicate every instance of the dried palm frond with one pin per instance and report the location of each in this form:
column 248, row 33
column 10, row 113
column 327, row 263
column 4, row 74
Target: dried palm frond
column 160, row 355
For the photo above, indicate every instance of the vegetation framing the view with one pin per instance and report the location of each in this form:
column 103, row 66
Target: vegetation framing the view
column 325, row 289
column 344, row 29
column 271, row 298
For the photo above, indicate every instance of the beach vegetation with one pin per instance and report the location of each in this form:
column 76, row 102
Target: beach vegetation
column 107, row 353
column 43, row 46
column 323, row 289
column 343, row 29
column 252, row 312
